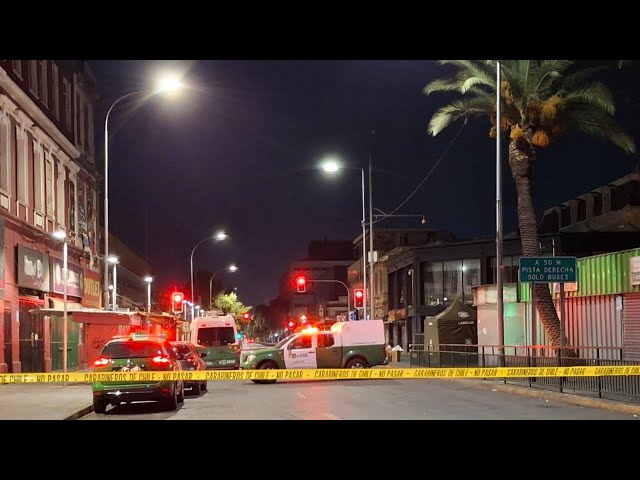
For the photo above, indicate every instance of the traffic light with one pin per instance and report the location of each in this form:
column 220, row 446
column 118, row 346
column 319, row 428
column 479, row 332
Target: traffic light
column 301, row 284
column 246, row 316
column 176, row 302
column 358, row 297
column 291, row 324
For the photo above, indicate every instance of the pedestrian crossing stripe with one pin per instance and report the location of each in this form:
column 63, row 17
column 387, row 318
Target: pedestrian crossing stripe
column 322, row 374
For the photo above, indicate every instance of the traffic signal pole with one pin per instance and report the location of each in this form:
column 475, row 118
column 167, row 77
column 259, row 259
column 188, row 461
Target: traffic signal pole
column 341, row 283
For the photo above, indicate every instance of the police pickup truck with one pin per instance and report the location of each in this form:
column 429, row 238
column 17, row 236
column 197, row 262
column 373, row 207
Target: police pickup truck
column 353, row 344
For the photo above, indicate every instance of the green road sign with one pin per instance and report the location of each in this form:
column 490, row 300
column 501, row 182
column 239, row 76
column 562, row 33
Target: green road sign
column 548, row 269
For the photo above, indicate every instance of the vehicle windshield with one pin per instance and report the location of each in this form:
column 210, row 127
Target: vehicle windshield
column 182, row 350
column 281, row 343
column 132, row 349
column 216, row 336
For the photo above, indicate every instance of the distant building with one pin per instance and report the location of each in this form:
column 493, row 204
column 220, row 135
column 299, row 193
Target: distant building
column 131, row 269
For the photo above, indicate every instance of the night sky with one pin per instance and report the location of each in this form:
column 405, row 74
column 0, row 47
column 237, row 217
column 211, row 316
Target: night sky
column 239, row 148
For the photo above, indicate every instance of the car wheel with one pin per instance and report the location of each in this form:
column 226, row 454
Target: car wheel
column 171, row 403
column 357, row 362
column 99, row 405
column 204, row 386
column 181, row 394
column 195, row 390
column 268, row 365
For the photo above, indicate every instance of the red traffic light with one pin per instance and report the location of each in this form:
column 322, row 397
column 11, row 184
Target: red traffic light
column 177, row 299
column 301, row 284
column 291, row 325
column 246, row 316
column 358, row 297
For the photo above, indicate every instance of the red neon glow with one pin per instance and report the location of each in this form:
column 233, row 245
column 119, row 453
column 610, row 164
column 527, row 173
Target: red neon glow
column 101, row 361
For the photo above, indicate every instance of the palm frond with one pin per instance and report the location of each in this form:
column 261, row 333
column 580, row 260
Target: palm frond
column 579, row 77
column 598, row 123
column 472, row 68
column 443, row 85
column 596, row 94
column 464, row 108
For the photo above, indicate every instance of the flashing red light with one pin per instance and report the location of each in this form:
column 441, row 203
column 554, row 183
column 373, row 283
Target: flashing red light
column 291, row 324
column 301, row 283
column 177, row 302
column 101, row 362
column 160, row 359
column 358, row 297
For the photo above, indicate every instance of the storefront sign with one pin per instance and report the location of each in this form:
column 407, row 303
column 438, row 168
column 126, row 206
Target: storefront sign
column 488, row 294
column 75, row 283
column 33, row 269
column 92, row 297
column 634, row 270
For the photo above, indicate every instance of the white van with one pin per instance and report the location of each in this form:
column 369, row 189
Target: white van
column 216, row 336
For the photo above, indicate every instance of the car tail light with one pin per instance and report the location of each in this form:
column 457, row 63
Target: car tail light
column 101, row 361
column 160, row 360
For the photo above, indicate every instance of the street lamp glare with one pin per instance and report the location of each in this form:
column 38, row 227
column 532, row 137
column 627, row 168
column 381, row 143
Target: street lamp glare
column 330, row 166
column 169, row 83
column 148, row 279
column 233, row 268
column 221, row 236
column 423, row 221
column 59, row 234
column 113, row 259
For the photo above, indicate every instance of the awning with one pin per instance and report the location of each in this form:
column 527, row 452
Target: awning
column 163, row 319
column 94, row 316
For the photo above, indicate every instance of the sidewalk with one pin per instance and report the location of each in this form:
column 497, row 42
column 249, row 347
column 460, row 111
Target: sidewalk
column 44, row 401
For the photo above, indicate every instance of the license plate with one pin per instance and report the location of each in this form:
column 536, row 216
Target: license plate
column 209, row 363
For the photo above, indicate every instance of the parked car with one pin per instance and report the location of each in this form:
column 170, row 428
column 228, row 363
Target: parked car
column 190, row 359
column 134, row 353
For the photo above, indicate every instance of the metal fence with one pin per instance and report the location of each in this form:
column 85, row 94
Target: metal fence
column 625, row 388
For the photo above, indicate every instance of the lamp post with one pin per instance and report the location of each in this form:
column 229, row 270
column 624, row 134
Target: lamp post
column 231, row 268
column 167, row 84
column 332, row 166
column 61, row 235
column 218, row 237
column 114, row 261
column 149, row 280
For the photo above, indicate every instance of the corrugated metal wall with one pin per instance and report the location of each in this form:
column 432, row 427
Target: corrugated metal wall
column 589, row 322
column 632, row 327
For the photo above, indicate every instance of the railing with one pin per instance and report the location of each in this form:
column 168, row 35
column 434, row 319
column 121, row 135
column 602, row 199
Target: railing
column 459, row 355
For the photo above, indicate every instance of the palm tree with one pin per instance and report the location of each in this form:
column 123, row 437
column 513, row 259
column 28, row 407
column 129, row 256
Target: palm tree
column 540, row 101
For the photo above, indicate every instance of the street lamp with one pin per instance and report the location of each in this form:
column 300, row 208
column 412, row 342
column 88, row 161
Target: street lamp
column 218, row 237
column 231, row 268
column 166, row 84
column 149, row 280
column 61, row 235
column 331, row 166
column 114, row 260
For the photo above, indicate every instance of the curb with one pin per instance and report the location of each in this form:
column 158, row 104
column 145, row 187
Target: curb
column 80, row 413
column 580, row 400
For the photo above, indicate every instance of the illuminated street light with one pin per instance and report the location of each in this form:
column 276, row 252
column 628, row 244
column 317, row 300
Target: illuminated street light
column 330, row 165
column 149, row 280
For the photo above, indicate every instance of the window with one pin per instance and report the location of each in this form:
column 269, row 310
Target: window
column 597, row 204
column 471, row 278
column 66, row 92
column 86, row 126
column 72, row 207
column 452, row 275
column 60, row 197
column 216, row 336
column 55, row 91
column 21, row 154
column 132, row 349
column 432, row 283
column 49, row 186
column 17, row 67
column 326, row 340
column 33, row 77
column 5, row 152
column 301, row 342
column 42, row 81
column 38, row 177
column 511, row 266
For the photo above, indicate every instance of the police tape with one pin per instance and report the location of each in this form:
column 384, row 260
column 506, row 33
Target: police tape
column 322, row 374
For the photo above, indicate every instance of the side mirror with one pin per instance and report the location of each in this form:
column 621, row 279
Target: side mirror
column 203, row 354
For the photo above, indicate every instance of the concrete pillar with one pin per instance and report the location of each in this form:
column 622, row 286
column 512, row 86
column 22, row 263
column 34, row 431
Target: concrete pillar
column 606, row 199
column 589, row 205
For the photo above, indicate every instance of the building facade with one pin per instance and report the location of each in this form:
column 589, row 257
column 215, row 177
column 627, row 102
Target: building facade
column 48, row 182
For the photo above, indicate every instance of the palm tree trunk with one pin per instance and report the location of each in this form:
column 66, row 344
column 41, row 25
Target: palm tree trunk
column 521, row 158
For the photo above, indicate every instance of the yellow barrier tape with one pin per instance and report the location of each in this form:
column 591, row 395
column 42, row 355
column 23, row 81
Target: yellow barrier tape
column 322, row 374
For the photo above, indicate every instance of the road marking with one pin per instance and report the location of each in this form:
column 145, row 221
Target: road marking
column 301, row 395
column 331, row 416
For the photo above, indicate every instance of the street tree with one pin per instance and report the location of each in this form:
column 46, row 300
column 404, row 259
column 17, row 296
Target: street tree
column 228, row 303
column 540, row 101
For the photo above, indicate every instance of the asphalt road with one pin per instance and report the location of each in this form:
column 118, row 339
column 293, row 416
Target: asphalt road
column 356, row 400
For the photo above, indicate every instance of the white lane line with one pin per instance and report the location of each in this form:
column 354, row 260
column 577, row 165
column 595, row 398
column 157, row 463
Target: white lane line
column 301, row 395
